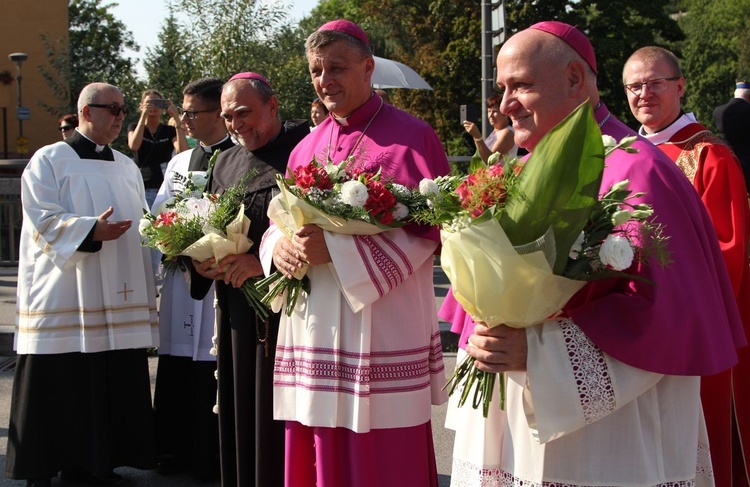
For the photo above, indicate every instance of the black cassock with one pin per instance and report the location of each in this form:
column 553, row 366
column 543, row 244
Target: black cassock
column 252, row 443
column 80, row 411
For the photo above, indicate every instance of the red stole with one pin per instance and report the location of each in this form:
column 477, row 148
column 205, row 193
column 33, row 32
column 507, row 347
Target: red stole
column 717, row 176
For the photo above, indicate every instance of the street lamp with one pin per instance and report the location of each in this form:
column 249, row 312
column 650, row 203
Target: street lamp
column 19, row 58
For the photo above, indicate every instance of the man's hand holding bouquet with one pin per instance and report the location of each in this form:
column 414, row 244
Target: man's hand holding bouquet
column 520, row 240
column 206, row 227
column 344, row 198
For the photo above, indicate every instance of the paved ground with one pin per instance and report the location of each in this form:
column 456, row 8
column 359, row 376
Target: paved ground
column 8, row 277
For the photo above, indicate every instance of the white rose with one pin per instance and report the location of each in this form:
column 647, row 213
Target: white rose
column 400, row 211
column 577, row 247
column 354, row 193
column 616, row 253
column 428, row 187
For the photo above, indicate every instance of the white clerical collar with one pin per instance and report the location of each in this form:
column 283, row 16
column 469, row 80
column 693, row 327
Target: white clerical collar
column 98, row 148
column 208, row 149
column 664, row 135
column 341, row 121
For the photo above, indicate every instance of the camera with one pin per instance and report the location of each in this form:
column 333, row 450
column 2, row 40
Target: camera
column 160, row 103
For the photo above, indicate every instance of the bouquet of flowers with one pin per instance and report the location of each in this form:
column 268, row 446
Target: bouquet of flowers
column 200, row 226
column 520, row 240
column 346, row 198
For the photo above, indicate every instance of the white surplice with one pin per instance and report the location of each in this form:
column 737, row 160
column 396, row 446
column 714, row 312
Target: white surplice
column 73, row 301
column 186, row 325
column 578, row 417
column 357, row 355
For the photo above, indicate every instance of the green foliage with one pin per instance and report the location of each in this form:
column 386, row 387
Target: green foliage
column 440, row 39
column 224, row 37
column 616, row 28
column 56, row 72
column 714, row 53
column 169, row 65
column 97, row 47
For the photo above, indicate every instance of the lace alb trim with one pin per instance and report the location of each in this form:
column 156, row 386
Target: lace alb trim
column 595, row 389
column 703, row 466
column 466, row 474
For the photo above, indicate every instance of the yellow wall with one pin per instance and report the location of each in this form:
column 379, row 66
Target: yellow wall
column 21, row 23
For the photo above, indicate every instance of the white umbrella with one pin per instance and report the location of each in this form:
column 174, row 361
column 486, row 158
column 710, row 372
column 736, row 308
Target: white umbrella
column 393, row 74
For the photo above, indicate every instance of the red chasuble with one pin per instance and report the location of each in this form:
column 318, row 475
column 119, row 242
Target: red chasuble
column 717, row 176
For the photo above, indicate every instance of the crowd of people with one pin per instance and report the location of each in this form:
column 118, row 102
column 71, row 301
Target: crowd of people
column 639, row 380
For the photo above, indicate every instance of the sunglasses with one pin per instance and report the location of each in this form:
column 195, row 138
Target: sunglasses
column 114, row 108
column 65, row 128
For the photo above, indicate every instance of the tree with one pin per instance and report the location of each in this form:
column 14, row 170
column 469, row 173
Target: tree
column 94, row 51
column 714, row 53
column 230, row 36
column 97, row 43
column 168, row 65
column 646, row 23
column 56, row 72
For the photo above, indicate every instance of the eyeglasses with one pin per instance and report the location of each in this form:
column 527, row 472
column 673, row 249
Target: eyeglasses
column 65, row 128
column 114, row 108
column 656, row 85
column 191, row 114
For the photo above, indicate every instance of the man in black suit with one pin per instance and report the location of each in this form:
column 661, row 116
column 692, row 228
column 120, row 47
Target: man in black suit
column 733, row 121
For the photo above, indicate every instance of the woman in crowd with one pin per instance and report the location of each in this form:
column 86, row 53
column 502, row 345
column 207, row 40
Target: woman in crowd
column 67, row 125
column 153, row 143
column 501, row 138
column 318, row 113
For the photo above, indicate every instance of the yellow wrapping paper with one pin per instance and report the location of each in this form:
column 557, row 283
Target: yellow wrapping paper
column 215, row 244
column 497, row 286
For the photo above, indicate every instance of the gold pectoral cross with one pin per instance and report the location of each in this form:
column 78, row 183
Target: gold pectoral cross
column 125, row 290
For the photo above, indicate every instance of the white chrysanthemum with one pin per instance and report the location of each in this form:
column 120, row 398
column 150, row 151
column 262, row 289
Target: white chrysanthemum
column 428, row 187
column 144, row 225
column 577, row 247
column 616, row 253
column 354, row 193
column 400, row 211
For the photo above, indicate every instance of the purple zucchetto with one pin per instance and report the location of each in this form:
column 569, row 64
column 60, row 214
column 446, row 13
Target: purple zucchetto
column 251, row 75
column 347, row 27
column 572, row 37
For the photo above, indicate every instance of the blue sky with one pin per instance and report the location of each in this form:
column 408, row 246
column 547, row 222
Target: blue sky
column 144, row 19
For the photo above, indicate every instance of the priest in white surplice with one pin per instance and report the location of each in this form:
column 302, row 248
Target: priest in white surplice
column 187, row 430
column 86, row 308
